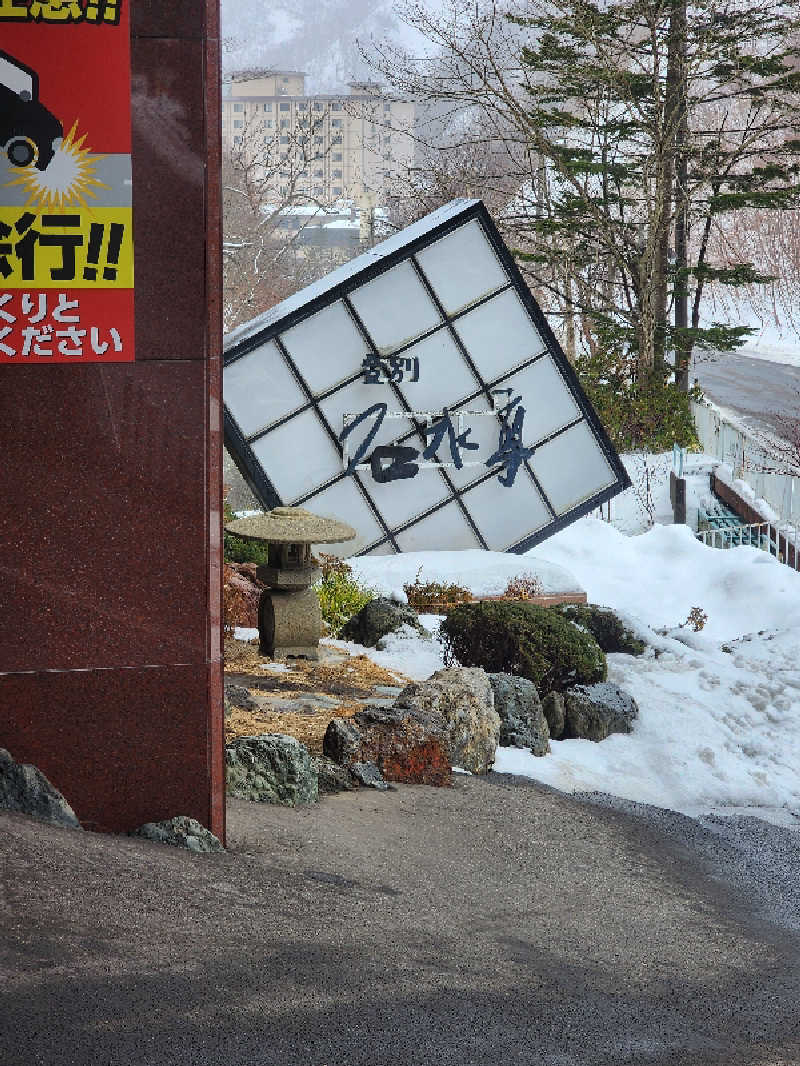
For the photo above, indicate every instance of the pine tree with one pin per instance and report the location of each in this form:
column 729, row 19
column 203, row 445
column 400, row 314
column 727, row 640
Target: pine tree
column 634, row 130
column 639, row 106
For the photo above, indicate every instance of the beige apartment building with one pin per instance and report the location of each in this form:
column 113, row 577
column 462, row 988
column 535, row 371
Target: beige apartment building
column 327, row 146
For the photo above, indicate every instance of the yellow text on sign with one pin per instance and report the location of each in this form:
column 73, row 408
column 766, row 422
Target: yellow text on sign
column 80, row 249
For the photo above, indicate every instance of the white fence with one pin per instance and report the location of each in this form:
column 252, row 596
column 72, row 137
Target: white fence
column 747, row 456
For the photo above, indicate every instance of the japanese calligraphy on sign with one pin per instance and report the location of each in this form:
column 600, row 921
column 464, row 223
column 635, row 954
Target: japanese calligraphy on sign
column 66, row 240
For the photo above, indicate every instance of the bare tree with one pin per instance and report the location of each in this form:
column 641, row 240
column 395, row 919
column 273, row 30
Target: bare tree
column 268, row 180
column 613, row 120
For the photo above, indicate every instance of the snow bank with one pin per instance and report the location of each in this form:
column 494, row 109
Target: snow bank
column 483, row 573
column 719, row 725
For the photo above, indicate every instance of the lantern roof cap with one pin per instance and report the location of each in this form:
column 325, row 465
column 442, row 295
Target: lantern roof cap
column 291, row 525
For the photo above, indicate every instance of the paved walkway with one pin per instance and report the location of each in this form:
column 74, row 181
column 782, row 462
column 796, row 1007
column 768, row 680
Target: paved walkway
column 496, row 922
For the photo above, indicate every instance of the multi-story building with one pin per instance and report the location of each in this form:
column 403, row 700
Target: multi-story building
column 328, row 146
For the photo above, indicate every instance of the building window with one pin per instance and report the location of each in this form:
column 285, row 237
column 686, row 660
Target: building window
column 286, row 107
column 318, row 140
column 317, row 105
column 267, row 124
column 319, row 173
column 337, row 190
column 302, row 107
column 267, row 139
column 318, row 190
column 337, row 174
column 238, row 107
column 387, row 107
column 284, row 140
column 285, row 81
column 267, row 107
column 336, row 107
column 337, row 122
column 337, row 157
column 284, row 123
column 337, row 139
column 237, row 140
column 238, row 124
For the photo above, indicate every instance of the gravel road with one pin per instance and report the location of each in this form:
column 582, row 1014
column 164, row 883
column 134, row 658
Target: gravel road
column 495, row 922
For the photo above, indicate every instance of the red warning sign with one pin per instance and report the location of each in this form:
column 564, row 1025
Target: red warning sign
column 66, row 235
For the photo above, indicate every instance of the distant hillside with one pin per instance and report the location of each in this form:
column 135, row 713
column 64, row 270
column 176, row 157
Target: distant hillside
column 315, row 36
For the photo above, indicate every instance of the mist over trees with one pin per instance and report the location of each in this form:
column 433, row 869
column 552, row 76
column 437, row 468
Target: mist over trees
column 316, row 37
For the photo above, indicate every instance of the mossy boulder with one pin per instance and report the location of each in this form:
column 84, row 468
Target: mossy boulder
column 607, row 628
column 378, row 618
column 523, row 639
column 271, row 768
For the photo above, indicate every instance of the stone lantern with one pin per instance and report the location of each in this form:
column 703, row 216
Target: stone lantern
column 289, row 618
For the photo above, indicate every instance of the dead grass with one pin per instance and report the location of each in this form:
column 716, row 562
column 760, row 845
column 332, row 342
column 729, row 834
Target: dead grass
column 352, row 679
column 242, row 654
column 309, row 729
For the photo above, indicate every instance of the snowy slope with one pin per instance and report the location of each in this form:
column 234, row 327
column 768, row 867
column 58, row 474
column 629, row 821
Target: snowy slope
column 719, row 725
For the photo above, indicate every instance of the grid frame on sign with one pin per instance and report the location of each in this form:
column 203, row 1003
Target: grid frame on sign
column 469, row 337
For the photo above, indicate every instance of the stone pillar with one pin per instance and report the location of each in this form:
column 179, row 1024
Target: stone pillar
column 110, row 480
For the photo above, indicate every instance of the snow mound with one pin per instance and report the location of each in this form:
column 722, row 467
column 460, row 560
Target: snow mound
column 484, row 573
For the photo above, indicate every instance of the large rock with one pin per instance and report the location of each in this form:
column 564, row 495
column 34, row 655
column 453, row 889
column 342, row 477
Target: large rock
column 332, row 777
column 593, row 712
column 25, row 789
column 377, row 618
column 522, row 721
column 406, row 744
column 181, row 832
column 271, row 768
column 554, row 711
column 464, row 698
column 607, row 628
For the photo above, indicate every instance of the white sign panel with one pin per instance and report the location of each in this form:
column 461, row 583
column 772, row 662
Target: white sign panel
column 418, row 394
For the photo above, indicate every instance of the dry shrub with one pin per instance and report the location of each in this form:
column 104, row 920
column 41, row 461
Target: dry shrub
column 523, row 587
column 240, row 598
column 695, row 619
column 434, row 597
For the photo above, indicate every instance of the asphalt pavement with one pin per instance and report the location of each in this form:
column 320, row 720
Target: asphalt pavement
column 762, row 392
column 494, row 922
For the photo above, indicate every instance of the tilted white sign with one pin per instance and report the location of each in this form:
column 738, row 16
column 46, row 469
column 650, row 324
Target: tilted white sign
column 418, row 394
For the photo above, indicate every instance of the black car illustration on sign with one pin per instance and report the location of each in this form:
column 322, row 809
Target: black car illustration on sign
column 29, row 133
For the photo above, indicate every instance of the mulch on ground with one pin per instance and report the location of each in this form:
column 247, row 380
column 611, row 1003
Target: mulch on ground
column 350, row 681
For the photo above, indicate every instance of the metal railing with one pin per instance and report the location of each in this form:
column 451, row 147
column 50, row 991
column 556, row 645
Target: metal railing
column 750, row 460
column 782, row 541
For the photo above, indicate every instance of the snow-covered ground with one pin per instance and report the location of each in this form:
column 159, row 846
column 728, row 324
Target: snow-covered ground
column 719, row 724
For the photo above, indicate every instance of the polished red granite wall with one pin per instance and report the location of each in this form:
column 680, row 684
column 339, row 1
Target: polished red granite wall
column 110, row 481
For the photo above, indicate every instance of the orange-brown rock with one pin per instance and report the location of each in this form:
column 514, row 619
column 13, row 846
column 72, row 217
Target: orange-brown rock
column 407, row 745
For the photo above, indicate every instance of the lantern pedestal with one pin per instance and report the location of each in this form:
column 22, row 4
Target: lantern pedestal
column 289, row 623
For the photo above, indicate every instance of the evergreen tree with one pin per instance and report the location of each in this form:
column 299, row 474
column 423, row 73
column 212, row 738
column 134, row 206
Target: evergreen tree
column 636, row 106
column 634, row 130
